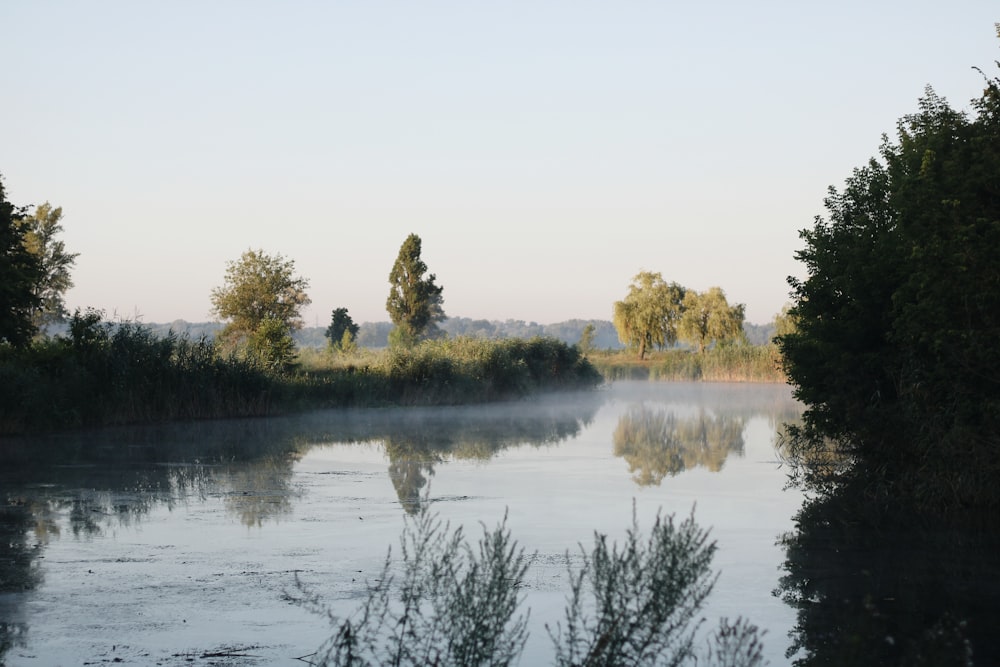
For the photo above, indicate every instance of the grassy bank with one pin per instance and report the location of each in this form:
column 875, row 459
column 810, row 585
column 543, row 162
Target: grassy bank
column 103, row 374
column 738, row 363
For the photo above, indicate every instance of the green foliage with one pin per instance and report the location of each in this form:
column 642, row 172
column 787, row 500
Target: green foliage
column 20, row 273
column 643, row 599
column 724, row 363
column 896, row 351
column 262, row 299
column 415, row 304
column 708, row 318
column 451, row 604
column 466, row 370
column 270, row 346
column 784, row 323
column 446, row 603
column 347, row 344
column 116, row 373
column 40, row 231
column 650, row 313
column 113, row 373
column 342, row 328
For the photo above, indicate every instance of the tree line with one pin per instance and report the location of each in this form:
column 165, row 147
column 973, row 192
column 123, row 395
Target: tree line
column 893, row 338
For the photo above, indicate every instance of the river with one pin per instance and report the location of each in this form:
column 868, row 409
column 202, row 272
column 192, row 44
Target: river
column 181, row 544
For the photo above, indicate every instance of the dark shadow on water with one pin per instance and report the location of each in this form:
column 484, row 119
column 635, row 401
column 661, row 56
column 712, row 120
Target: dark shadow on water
column 878, row 586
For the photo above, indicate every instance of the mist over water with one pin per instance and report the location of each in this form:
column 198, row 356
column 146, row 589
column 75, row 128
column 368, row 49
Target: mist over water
column 156, row 545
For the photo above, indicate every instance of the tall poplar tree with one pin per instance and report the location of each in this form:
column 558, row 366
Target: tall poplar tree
column 415, row 303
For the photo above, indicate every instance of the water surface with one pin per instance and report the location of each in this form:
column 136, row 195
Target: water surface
column 179, row 544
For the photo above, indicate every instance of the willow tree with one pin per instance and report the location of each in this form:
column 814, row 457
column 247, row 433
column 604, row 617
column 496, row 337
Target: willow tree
column 649, row 314
column 708, row 318
column 415, row 304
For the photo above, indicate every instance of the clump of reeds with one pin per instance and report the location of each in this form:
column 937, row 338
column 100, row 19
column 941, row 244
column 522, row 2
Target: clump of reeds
column 726, row 363
column 103, row 373
column 448, row 371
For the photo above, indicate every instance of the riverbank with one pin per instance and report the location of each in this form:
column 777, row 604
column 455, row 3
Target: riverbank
column 123, row 374
column 103, row 374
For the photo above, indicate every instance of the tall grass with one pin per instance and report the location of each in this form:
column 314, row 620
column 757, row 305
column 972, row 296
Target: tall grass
column 104, row 373
column 732, row 363
column 444, row 372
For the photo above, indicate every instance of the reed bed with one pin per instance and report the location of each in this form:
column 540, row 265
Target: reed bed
column 737, row 363
column 104, row 374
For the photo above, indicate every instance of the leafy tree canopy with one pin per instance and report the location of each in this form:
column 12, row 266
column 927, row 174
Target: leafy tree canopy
column 650, row 313
column 415, row 303
column 341, row 325
column 708, row 318
column 896, row 347
column 262, row 300
column 41, row 229
column 20, row 274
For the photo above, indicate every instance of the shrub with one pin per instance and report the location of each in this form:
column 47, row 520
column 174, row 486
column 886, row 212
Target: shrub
column 448, row 604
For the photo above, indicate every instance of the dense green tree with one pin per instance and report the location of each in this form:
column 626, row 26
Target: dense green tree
column 342, row 327
column 41, row 229
column 20, row 273
column 650, row 313
column 262, row 299
column 708, row 318
column 896, row 351
column 415, row 303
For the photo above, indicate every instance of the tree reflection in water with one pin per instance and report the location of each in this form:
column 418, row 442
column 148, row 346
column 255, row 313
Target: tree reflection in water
column 657, row 443
column 19, row 570
column 415, row 440
column 87, row 485
column 876, row 586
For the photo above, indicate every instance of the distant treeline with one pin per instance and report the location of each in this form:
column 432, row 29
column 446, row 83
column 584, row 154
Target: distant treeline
column 376, row 334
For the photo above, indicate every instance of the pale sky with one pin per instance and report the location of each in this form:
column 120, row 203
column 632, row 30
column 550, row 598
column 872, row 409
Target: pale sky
column 544, row 151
